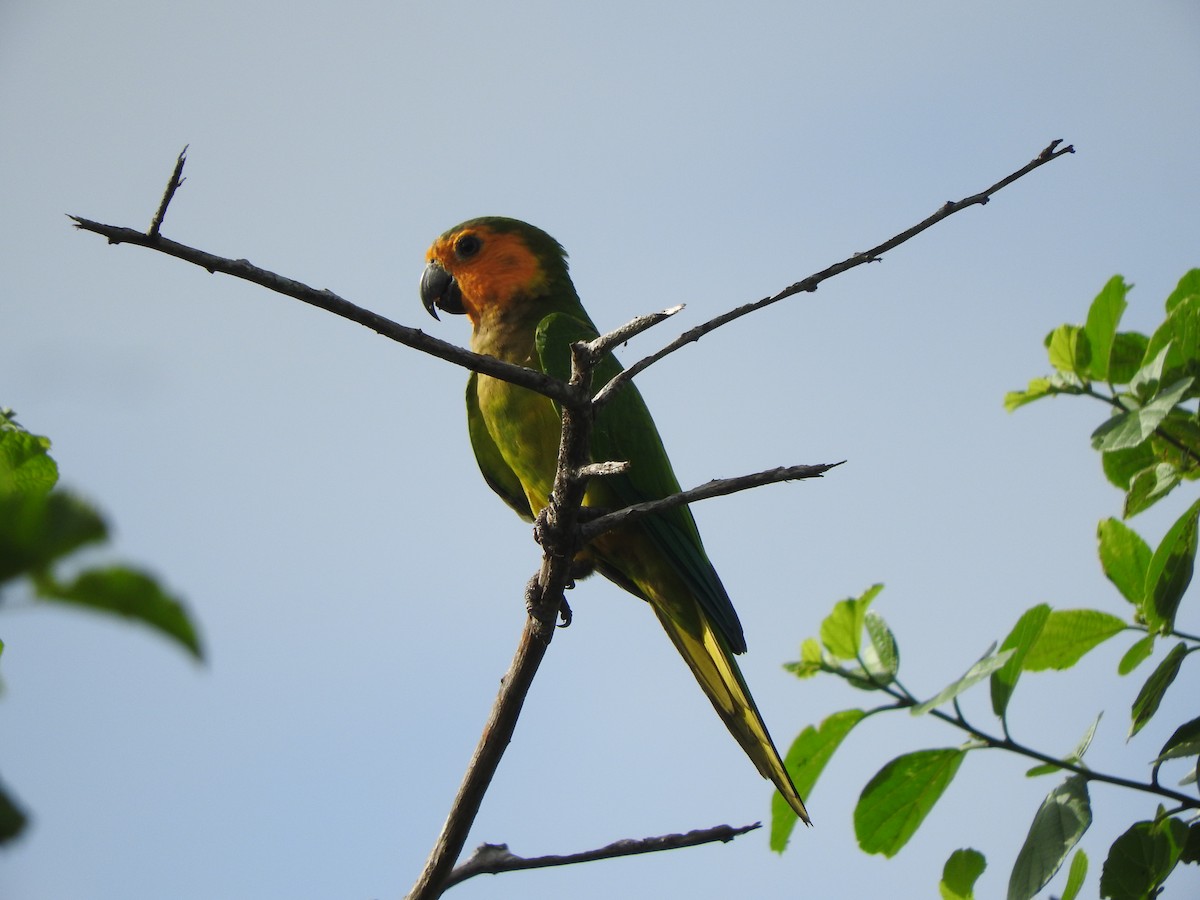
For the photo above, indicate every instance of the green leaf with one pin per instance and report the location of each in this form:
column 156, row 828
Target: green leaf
column 1189, row 286
column 974, row 675
column 1057, row 826
column 36, row 529
column 1184, row 742
column 882, row 657
column 1125, row 557
column 896, row 801
column 1074, row 758
column 126, row 592
column 809, row 663
column 1023, row 636
column 1075, row 877
column 1151, row 694
column 1130, row 428
column 960, row 873
column 25, row 465
column 1038, row 388
column 1170, row 572
column 1191, row 848
column 12, row 818
column 1149, row 486
column 1148, row 378
column 1128, row 351
column 805, row 761
column 1069, row 350
column 1101, row 328
column 1140, row 860
column 1136, row 655
column 1120, row 466
column 1067, row 635
column 841, row 632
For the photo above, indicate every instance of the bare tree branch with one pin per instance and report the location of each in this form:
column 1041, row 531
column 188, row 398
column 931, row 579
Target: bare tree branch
column 331, row 302
column 1050, row 153
column 492, row 859
column 173, row 185
column 718, row 487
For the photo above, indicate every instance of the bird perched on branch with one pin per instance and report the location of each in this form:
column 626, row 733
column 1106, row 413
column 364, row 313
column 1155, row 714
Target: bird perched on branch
column 511, row 281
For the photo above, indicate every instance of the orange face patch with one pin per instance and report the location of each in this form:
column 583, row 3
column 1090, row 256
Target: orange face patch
column 492, row 268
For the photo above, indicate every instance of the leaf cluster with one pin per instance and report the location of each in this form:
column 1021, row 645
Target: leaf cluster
column 42, row 528
column 1150, row 444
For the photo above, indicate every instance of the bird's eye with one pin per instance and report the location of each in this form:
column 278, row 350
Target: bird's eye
column 467, row 246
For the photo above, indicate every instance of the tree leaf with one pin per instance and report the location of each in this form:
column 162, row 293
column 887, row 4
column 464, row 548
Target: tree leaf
column 1067, row 635
column 36, row 529
column 841, row 632
column 1125, row 557
column 1189, row 286
column 12, row 818
column 1136, row 655
column 1120, row 466
column 974, row 675
column 1184, row 742
column 960, row 873
column 1023, row 636
column 1075, row 877
column 1170, row 572
column 1057, row 826
column 1069, row 350
column 1151, row 694
column 126, row 592
column 1102, row 320
column 1128, row 351
column 1130, row 428
column 883, row 658
column 1140, row 860
column 1149, row 486
column 1038, row 388
column 25, row 464
column 805, row 761
column 1074, row 758
column 896, row 801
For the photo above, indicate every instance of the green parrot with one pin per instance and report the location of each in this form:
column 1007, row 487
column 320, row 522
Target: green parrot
column 511, row 281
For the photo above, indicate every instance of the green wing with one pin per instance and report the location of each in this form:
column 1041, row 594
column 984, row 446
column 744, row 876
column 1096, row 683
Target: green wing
column 624, row 430
column 496, row 472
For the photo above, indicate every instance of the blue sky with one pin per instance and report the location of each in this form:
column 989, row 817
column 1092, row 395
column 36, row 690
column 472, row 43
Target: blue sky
column 308, row 486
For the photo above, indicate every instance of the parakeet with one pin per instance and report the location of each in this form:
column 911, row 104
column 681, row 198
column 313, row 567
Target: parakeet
column 511, row 281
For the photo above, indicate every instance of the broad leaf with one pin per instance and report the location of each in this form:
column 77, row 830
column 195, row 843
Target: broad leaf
column 960, row 873
column 1128, row 351
column 896, row 801
column 129, row 593
column 1101, row 328
column 1120, row 466
column 1038, row 388
column 36, row 529
column 1151, row 694
column 974, row 675
column 841, row 632
column 1075, row 877
column 1184, row 742
column 1189, row 286
column 1170, row 571
column 1149, row 486
column 1125, row 557
column 1057, row 826
column 805, row 761
column 1136, row 655
column 1023, row 636
column 1067, row 635
column 1069, row 350
column 12, row 818
column 25, row 465
column 1140, row 860
column 1130, row 428
column 882, row 656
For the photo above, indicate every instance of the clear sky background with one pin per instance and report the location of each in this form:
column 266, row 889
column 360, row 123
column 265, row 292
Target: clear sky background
column 308, row 487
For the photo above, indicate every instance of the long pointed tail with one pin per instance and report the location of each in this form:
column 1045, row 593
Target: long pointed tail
column 715, row 668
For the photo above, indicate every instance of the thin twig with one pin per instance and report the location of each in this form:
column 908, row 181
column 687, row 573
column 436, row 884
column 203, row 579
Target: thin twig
column 331, row 302
column 173, row 185
column 492, row 859
column 718, row 487
column 810, row 283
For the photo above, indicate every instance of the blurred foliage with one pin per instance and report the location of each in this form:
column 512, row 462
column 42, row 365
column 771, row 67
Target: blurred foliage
column 42, row 528
column 1149, row 446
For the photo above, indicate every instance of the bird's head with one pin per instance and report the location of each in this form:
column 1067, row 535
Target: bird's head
column 488, row 265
